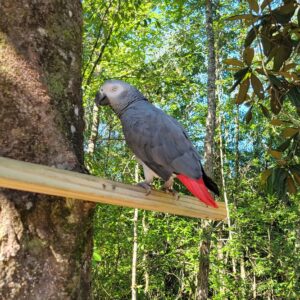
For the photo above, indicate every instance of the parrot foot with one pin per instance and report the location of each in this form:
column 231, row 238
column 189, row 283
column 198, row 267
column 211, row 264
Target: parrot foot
column 176, row 195
column 145, row 185
column 171, row 191
column 168, row 188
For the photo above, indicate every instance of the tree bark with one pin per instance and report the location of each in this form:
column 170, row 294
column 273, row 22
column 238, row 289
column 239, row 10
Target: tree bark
column 45, row 242
column 134, row 254
column 145, row 257
column 135, row 243
column 222, row 171
column 254, row 292
column 222, row 270
column 236, row 146
column 211, row 90
column 205, row 244
column 203, row 272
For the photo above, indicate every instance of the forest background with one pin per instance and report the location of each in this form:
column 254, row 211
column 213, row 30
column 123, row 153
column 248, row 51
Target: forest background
column 228, row 71
column 238, row 63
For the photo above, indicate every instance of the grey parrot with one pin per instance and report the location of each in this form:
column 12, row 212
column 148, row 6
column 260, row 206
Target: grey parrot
column 158, row 141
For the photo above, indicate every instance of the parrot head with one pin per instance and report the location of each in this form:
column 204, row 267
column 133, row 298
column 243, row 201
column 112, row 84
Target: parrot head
column 117, row 94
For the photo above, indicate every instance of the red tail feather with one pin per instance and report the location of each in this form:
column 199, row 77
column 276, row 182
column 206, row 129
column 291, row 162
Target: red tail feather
column 198, row 189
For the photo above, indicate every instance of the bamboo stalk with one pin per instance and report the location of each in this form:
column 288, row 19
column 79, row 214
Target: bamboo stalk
column 52, row 181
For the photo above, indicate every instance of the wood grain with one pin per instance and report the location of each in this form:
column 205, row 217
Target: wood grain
column 52, row 181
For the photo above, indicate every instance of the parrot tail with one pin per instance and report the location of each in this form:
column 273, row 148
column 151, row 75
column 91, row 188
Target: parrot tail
column 210, row 184
column 198, row 189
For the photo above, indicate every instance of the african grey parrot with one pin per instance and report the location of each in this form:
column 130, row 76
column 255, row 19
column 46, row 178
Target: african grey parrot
column 158, row 141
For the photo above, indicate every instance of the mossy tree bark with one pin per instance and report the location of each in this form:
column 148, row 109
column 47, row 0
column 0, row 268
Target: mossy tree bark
column 45, row 242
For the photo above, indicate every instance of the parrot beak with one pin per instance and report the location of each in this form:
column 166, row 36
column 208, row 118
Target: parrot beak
column 101, row 99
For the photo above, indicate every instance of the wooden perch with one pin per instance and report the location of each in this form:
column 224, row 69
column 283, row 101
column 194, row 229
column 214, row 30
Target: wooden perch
column 52, row 181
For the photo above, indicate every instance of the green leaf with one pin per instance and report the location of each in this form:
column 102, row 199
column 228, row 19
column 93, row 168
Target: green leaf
column 234, row 62
column 267, row 46
column 249, row 115
column 275, row 81
column 242, row 17
column 294, row 96
column 282, row 18
column 241, row 96
column 287, row 8
column 276, row 154
column 265, row 111
column 248, row 55
column 277, row 122
column 257, row 86
column 251, row 35
column 239, row 76
column 284, row 146
column 284, row 13
column 290, row 132
column 276, row 103
column 282, row 53
column 253, row 5
column 96, row 256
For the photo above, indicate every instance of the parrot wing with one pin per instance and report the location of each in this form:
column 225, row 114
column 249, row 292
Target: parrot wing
column 160, row 142
column 163, row 145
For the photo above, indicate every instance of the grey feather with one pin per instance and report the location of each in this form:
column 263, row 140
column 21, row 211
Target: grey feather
column 159, row 141
column 155, row 138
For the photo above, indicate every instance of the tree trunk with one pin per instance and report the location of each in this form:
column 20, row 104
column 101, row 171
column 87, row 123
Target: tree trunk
column 222, row 270
column 205, row 244
column 45, row 242
column 236, row 146
column 222, row 171
column 203, row 272
column 145, row 257
column 254, row 292
column 242, row 268
column 134, row 254
column 135, row 243
column 211, row 90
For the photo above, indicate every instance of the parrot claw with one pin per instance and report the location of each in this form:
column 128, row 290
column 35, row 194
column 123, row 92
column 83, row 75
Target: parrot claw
column 172, row 191
column 168, row 188
column 175, row 194
column 145, row 185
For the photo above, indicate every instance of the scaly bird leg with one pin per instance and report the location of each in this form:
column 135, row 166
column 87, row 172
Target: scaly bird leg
column 149, row 176
column 168, row 187
column 145, row 185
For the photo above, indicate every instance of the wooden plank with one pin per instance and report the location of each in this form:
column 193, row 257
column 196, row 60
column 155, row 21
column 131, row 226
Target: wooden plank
column 52, row 181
